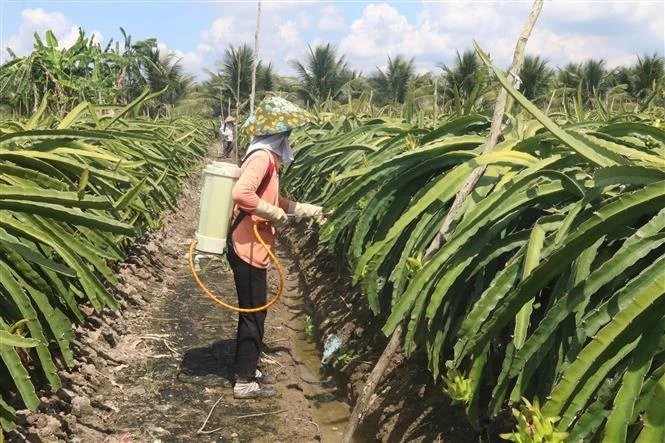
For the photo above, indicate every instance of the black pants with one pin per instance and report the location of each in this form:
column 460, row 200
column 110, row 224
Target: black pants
column 252, row 288
column 228, row 147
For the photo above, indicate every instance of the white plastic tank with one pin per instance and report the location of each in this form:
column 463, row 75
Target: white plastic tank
column 216, row 206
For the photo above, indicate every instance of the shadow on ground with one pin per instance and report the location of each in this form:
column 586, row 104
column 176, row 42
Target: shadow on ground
column 215, row 360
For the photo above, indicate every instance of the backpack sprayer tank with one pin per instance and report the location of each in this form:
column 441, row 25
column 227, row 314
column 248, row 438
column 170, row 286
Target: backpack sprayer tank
column 216, row 206
column 215, row 211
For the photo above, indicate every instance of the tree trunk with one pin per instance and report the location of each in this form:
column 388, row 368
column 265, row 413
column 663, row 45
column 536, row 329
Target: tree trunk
column 495, row 131
column 221, row 103
column 375, row 377
column 436, row 99
column 235, row 136
column 35, row 98
column 255, row 62
column 365, row 399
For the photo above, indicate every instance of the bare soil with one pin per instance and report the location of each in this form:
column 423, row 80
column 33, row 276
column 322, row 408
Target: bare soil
column 407, row 405
column 161, row 366
column 153, row 370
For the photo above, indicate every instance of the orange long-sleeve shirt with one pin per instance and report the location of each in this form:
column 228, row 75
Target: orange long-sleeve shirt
column 245, row 197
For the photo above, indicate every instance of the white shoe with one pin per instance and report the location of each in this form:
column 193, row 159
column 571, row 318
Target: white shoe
column 251, row 389
column 265, row 379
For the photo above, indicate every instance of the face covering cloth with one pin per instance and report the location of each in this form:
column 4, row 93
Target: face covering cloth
column 277, row 143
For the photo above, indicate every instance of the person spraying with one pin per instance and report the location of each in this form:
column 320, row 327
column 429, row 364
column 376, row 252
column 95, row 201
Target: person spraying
column 257, row 199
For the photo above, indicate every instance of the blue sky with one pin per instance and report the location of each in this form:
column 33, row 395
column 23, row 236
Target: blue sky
column 366, row 32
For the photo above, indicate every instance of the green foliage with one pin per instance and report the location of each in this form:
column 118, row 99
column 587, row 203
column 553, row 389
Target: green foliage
column 536, row 78
column 392, row 84
column 344, row 357
column 236, row 72
column 546, row 281
column 534, row 427
column 323, row 74
column 86, row 72
column 221, row 93
column 457, row 387
column 74, row 193
column 308, row 326
column 465, row 81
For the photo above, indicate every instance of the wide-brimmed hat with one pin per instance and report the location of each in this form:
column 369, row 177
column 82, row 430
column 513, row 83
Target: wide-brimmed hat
column 274, row 115
column 229, row 119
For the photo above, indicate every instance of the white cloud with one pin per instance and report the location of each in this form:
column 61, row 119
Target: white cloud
column 223, row 31
column 566, row 31
column 214, row 41
column 381, row 32
column 318, row 41
column 475, row 18
column 288, row 32
column 576, row 48
column 40, row 21
column 640, row 15
column 192, row 61
column 304, row 20
column 280, row 35
column 281, row 6
column 204, row 48
column 495, row 26
column 586, row 11
column 331, row 19
column 472, row 18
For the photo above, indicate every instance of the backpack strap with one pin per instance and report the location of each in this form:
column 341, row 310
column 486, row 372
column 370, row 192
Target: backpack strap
column 262, row 187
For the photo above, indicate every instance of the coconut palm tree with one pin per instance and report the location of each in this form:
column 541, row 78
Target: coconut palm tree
column 570, row 75
column 591, row 75
column 236, row 69
column 648, row 74
column 212, row 94
column 622, row 75
column 536, row 77
column 594, row 75
column 169, row 74
column 465, row 80
column 266, row 79
column 392, row 84
column 620, row 83
column 222, row 84
column 139, row 61
column 235, row 76
column 323, row 74
column 466, row 73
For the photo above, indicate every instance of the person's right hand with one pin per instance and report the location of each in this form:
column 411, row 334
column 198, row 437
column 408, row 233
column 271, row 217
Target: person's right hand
column 301, row 210
column 272, row 213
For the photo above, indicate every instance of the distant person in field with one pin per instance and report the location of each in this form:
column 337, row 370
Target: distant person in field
column 226, row 132
column 222, row 138
column 257, row 200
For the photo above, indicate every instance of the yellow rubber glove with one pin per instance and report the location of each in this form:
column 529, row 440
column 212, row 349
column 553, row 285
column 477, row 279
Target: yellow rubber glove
column 272, row 213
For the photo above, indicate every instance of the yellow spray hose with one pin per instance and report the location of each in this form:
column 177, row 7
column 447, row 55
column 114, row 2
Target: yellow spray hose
column 236, row 308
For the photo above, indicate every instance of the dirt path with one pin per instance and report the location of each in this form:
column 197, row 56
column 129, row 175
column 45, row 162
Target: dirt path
column 185, row 345
column 154, row 371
